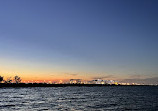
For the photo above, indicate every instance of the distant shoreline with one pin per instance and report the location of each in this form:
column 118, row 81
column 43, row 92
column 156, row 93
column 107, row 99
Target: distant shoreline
column 60, row 85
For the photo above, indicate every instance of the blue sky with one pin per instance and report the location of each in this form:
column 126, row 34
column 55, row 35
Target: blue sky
column 85, row 37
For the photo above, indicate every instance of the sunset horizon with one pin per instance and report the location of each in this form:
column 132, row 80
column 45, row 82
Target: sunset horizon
column 79, row 55
column 79, row 39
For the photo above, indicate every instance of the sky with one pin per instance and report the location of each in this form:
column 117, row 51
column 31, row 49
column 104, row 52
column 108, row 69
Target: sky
column 86, row 39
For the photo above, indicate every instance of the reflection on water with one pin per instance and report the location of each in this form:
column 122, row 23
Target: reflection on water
column 119, row 98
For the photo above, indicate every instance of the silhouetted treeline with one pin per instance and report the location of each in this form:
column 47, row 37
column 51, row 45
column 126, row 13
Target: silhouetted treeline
column 9, row 80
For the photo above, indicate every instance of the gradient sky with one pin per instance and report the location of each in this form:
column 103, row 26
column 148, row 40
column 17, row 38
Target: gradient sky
column 87, row 39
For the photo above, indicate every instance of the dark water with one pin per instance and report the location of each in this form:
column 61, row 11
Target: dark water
column 117, row 98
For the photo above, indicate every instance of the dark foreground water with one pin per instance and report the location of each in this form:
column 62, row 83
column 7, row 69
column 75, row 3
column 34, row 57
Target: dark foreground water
column 117, row 98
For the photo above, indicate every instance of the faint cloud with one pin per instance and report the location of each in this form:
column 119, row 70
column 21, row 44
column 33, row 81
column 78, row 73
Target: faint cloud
column 103, row 77
column 152, row 80
column 140, row 76
column 51, row 75
column 136, row 76
column 71, row 74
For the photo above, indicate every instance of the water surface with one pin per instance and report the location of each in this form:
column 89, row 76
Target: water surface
column 108, row 98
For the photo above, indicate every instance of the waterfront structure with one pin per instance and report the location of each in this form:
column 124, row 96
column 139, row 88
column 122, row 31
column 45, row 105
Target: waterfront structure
column 98, row 81
column 75, row 81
